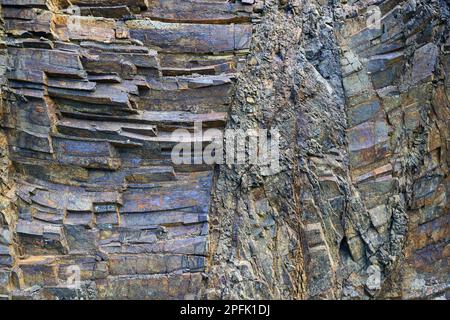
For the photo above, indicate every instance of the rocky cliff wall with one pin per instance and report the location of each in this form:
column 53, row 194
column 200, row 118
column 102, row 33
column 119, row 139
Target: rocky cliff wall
column 271, row 227
column 96, row 92
column 92, row 205
column 7, row 210
column 395, row 75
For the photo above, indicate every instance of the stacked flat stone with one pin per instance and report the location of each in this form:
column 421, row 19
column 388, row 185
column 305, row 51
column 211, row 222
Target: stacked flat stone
column 95, row 91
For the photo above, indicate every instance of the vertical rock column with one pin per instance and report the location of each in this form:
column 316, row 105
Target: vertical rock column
column 277, row 234
column 395, row 75
column 95, row 93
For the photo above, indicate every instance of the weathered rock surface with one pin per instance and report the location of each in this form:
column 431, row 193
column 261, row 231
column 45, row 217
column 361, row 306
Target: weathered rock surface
column 90, row 94
column 93, row 94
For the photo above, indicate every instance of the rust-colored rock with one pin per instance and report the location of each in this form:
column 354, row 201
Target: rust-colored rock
column 92, row 91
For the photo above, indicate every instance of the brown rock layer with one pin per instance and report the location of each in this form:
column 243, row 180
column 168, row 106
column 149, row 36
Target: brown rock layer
column 91, row 92
column 94, row 92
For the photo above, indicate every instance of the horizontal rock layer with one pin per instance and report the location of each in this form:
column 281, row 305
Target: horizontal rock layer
column 95, row 91
column 92, row 91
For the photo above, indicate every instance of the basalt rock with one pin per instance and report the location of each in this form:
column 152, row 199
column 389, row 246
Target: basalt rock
column 92, row 92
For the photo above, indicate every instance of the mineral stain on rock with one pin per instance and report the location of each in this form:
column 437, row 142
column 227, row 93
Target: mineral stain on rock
column 91, row 92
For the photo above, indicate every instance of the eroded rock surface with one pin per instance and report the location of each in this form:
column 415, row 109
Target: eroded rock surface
column 92, row 91
column 95, row 90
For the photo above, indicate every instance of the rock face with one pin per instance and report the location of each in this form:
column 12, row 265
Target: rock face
column 95, row 91
column 93, row 207
column 396, row 83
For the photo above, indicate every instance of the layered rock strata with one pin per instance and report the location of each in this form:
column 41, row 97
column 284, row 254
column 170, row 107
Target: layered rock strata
column 92, row 92
column 95, row 91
